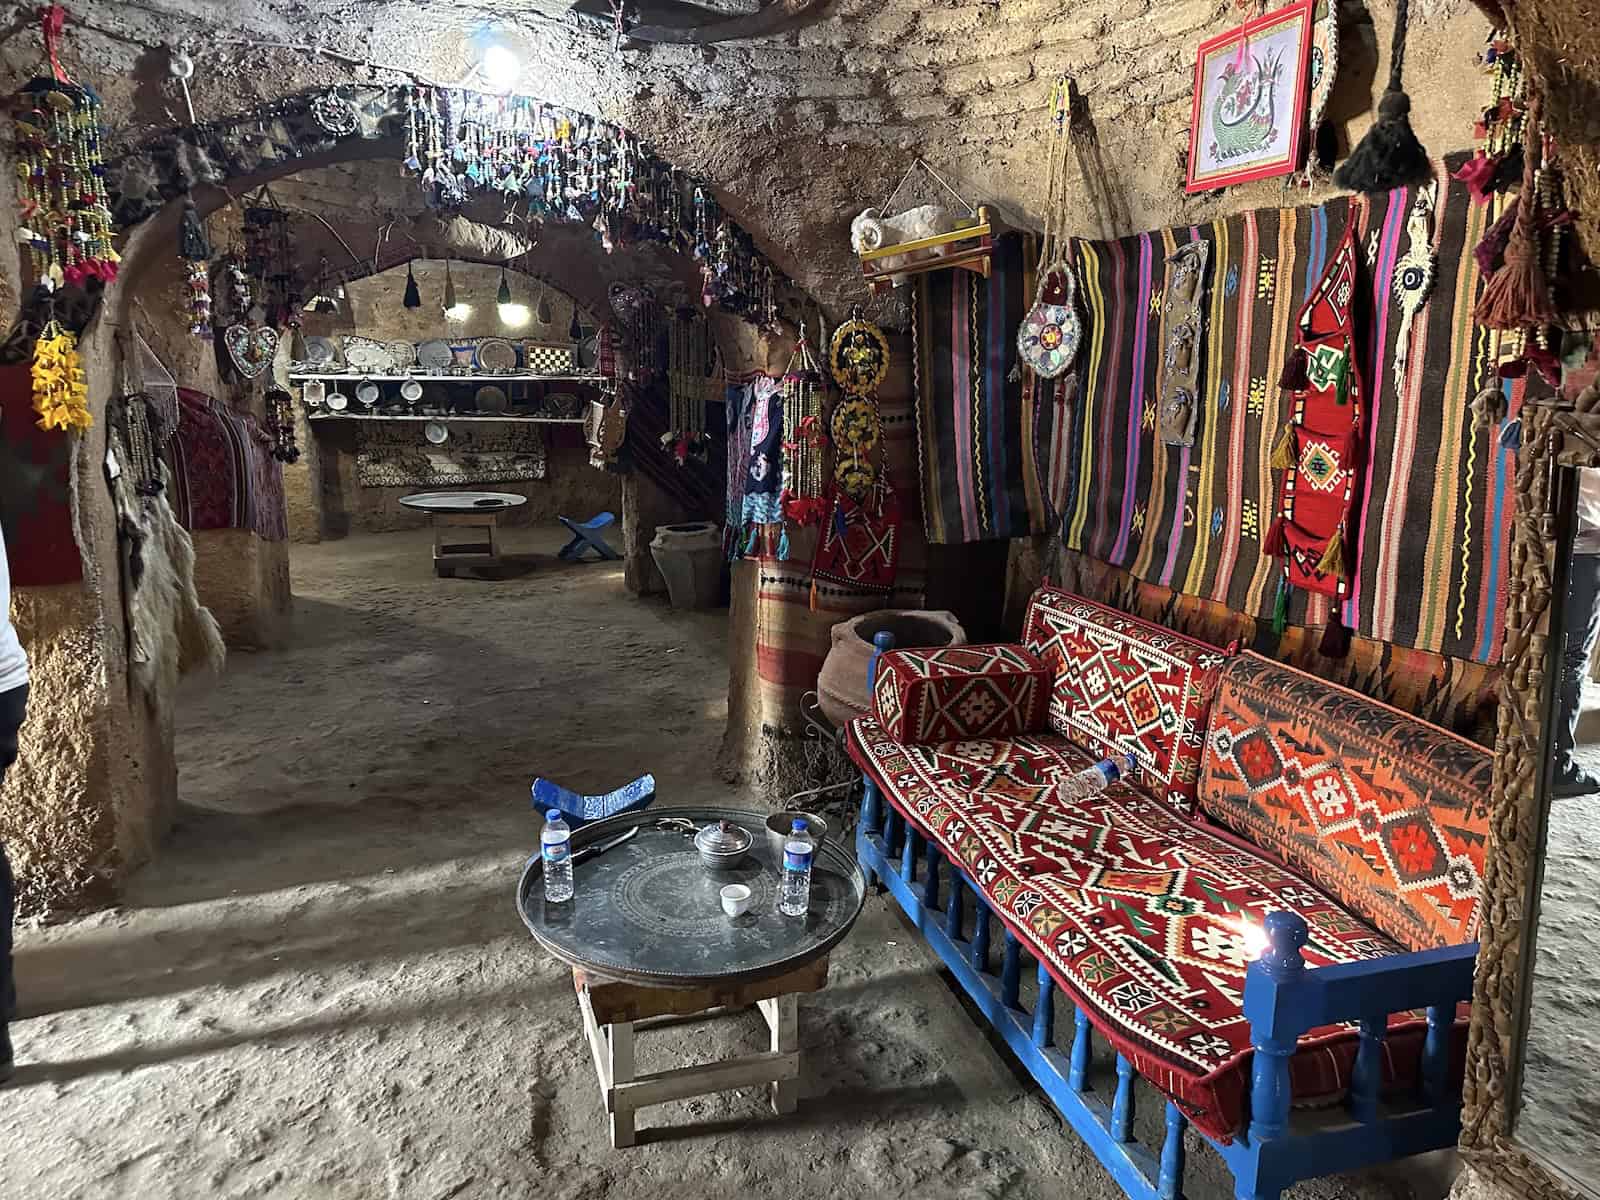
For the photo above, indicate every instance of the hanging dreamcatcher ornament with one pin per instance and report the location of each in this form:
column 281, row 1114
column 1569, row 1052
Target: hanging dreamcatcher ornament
column 60, row 392
column 1048, row 338
column 64, row 217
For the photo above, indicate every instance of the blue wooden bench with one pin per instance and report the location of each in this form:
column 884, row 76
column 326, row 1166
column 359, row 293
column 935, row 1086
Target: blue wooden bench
column 1283, row 998
column 586, row 536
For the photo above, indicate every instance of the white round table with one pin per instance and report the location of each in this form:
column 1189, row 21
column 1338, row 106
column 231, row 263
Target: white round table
column 463, row 510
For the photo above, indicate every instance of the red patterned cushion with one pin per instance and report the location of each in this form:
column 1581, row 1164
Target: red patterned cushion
column 1125, row 685
column 961, row 691
column 1385, row 812
column 1146, row 918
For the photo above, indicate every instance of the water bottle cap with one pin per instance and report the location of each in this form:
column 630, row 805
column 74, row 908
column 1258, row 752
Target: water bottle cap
column 553, row 815
column 799, row 825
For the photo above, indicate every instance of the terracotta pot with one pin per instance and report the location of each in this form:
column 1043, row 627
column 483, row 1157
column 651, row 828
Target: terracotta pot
column 842, row 692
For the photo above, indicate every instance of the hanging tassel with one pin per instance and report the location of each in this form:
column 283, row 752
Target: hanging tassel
column 1015, row 375
column 1295, row 377
column 1511, row 436
column 752, row 539
column 1389, row 156
column 413, row 298
column 192, row 242
column 783, row 543
column 1272, row 547
column 1283, row 449
column 1332, row 560
column 1335, row 638
column 1518, row 296
column 1476, row 173
column 1280, row 606
column 1489, row 251
column 813, row 595
column 1509, row 169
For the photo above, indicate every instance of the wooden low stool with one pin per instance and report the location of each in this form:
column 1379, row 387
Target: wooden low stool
column 612, row 1011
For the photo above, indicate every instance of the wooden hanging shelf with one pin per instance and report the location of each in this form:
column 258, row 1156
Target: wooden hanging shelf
column 968, row 249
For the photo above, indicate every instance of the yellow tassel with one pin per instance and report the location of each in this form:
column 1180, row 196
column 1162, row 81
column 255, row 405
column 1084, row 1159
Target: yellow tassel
column 813, row 595
column 1332, row 560
column 1283, row 449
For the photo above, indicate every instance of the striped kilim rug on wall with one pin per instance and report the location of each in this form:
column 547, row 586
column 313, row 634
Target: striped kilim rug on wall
column 1433, row 513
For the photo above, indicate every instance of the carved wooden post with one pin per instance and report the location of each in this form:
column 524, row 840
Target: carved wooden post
column 1366, row 1074
column 1078, row 1070
column 1279, row 967
column 1122, row 1102
column 1044, row 1010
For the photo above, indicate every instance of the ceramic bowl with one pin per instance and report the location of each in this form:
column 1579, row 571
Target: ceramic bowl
column 779, row 824
column 735, row 899
column 723, row 845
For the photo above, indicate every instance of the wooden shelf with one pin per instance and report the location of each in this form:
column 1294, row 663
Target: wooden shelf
column 357, row 377
column 503, row 420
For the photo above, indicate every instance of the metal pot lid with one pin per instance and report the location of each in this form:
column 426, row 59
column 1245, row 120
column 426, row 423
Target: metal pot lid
column 723, row 838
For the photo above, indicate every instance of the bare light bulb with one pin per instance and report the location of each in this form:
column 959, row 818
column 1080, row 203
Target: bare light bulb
column 514, row 316
column 458, row 312
column 500, row 68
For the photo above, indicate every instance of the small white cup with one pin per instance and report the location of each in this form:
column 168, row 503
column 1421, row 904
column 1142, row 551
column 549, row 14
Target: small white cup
column 735, row 899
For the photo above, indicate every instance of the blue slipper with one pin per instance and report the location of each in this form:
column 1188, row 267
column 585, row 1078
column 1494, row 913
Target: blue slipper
column 547, row 795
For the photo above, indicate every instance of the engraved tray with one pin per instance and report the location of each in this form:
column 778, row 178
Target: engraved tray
column 648, row 911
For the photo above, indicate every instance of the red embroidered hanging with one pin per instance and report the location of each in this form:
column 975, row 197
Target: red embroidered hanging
column 860, row 543
column 1319, row 448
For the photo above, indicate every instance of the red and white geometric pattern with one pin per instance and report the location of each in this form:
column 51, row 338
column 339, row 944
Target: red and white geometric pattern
column 1124, row 685
column 961, row 691
column 1147, row 919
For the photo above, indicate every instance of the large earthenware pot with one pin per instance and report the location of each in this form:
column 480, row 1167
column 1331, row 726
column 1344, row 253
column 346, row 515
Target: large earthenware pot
column 689, row 557
column 842, row 692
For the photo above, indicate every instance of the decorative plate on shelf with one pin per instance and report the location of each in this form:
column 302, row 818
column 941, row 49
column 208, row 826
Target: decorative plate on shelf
column 496, row 354
column 321, row 352
column 436, row 432
column 402, row 354
column 364, row 354
column 434, row 355
column 491, row 399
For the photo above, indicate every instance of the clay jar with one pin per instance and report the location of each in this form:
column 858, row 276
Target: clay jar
column 842, row 691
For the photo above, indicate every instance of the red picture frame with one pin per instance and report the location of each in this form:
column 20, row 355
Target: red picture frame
column 1238, row 129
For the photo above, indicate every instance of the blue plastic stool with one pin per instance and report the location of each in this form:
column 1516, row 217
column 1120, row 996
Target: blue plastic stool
column 586, row 536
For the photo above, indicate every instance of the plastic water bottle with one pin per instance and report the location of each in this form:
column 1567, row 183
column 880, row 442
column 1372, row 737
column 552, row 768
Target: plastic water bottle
column 1095, row 779
column 794, row 894
column 555, row 846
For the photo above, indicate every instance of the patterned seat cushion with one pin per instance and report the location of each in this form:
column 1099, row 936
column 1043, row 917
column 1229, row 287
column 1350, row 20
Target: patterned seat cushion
column 961, row 691
column 1384, row 812
column 1125, row 685
column 1146, row 918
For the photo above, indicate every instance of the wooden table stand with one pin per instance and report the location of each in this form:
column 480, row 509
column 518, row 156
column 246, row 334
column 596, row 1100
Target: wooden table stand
column 612, row 1011
column 451, row 551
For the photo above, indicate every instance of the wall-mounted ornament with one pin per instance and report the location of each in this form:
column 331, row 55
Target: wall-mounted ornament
column 195, row 250
column 1497, row 165
column 1413, row 276
column 1250, row 96
column 858, row 356
column 1048, row 338
column 805, row 442
column 1184, row 316
column 60, row 393
column 1389, row 155
column 335, row 113
column 1324, row 72
column 64, row 216
column 250, row 347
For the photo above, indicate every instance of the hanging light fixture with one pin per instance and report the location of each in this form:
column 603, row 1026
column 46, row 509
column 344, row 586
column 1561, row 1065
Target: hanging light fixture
column 543, row 313
column 503, row 296
column 449, row 288
column 512, row 315
column 413, row 297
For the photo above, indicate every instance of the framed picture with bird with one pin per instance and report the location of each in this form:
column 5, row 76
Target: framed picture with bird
column 1251, row 88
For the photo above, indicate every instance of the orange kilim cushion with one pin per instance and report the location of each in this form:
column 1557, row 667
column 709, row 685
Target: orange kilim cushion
column 1383, row 811
column 955, row 692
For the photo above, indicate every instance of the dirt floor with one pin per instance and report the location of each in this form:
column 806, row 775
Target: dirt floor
column 321, row 988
